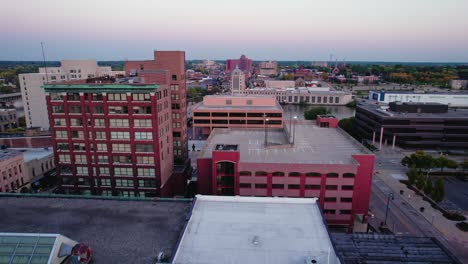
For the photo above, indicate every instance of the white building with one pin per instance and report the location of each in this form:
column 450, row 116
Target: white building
column 33, row 95
column 456, row 99
column 224, row 229
column 37, row 162
column 237, row 80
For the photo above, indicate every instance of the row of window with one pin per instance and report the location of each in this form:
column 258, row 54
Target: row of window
column 12, row 171
column 295, row 186
column 102, row 135
column 99, row 122
column 296, row 174
column 124, row 183
column 99, row 97
column 123, row 159
column 333, row 211
column 103, row 147
column 76, row 109
column 82, row 170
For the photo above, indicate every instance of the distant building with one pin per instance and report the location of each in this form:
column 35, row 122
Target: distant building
column 237, row 81
column 244, row 64
column 8, row 119
column 12, row 171
column 320, row 63
column 33, row 96
column 459, row 84
column 413, row 125
column 455, row 99
column 276, row 84
column 306, row 95
column 260, row 230
column 226, row 111
column 268, row 68
column 299, row 163
column 38, row 162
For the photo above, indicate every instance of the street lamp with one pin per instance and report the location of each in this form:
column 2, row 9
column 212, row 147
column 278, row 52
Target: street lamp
column 390, row 197
column 294, row 130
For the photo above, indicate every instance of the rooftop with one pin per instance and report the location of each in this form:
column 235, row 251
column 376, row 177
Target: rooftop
column 118, row 231
column 34, row 153
column 388, row 114
column 102, row 87
column 259, row 230
column 378, row 248
column 313, row 145
column 6, row 154
column 424, row 92
column 238, row 102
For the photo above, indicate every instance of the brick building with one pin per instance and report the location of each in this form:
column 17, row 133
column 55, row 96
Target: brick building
column 243, row 63
column 309, row 162
column 12, row 171
column 168, row 67
column 113, row 139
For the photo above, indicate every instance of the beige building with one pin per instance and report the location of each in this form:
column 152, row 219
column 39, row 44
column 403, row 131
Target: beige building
column 268, row 68
column 237, row 80
column 12, row 171
column 279, row 84
column 33, row 95
column 8, row 119
column 37, row 163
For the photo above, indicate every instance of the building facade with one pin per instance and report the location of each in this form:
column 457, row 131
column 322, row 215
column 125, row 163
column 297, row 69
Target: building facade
column 301, row 163
column 455, row 99
column 226, row 111
column 268, row 68
column 33, row 96
column 12, row 171
column 38, row 162
column 168, row 68
column 8, row 119
column 237, row 81
column 305, row 95
column 413, row 125
column 243, row 63
column 112, row 139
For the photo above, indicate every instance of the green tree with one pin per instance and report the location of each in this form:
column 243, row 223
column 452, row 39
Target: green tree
column 312, row 113
column 412, row 175
column 428, row 187
column 443, row 162
column 419, row 160
column 439, row 191
column 420, row 181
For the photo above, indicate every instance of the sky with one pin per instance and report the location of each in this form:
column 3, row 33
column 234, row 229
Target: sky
column 310, row 30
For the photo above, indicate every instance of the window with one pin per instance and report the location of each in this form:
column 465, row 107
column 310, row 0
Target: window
column 348, row 175
column 80, row 158
column 147, row 183
column 118, row 122
column 329, row 211
column 144, row 148
column 105, row 182
column 332, row 175
column 330, row 199
column 122, row 159
column 58, row 109
column 104, row 171
column 96, row 97
column 64, row 158
column 312, row 187
column 74, row 109
column 145, row 160
column 123, row 171
column 175, row 106
column 77, row 134
column 175, row 97
column 313, row 174
column 141, row 97
column 82, row 170
column 73, row 96
column 61, row 134
column 56, row 96
column 249, row 102
column 245, row 173
column 123, row 183
column 144, row 172
column 278, row 186
column 294, row 186
column 176, row 125
column 278, row 174
column 294, row 174
column 121, row 147
column 60, row 122
column 118, row 110
column 103, row 159
column 347, row 187
column 245, row 185
column 346, row 199
column 261, row 173
column 174, row 77
column 98, row 110
column 229, row 102
column 143, row 135
column 102, row 147
column 76, row 122
column 345, row 212
column 99, row 123
column 142, row 123
column 174, row 87
column 260, row 186
column 331, row 187
column 100, row 135
column 117, row 97
column 120, row 135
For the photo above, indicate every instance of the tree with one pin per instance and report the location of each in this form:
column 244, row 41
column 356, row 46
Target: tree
column 420, row 181
column 443, row 162
column 439, row 191
column 428, row 187
column 464, row 166
column 324, row 76
column 412, row 175
column 312, row 113
column 419, row 160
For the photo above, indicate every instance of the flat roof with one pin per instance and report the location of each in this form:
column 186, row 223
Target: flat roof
column 313, row 145
column 422, row 92
column 101, row 87
column 225, row 229
column 380, row 248
column 6, row 154
column 118, row 231
column 388, row 114
column 34, row 153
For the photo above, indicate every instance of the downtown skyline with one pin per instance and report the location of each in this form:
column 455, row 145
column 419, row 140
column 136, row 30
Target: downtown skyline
column 419, row 31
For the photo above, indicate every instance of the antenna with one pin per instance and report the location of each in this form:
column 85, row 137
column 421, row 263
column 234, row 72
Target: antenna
column 45, row 65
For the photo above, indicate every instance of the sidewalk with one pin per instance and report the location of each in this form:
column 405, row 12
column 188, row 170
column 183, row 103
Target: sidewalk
column 443, row 225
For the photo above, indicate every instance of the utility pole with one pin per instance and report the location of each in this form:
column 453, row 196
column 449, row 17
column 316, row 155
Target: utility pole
column 390, row 197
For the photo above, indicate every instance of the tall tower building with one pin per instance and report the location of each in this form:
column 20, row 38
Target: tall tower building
column 33, row 95
column 171, row 63
column 237, row 80
column 112, row 139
